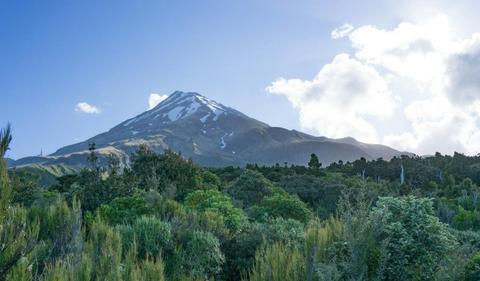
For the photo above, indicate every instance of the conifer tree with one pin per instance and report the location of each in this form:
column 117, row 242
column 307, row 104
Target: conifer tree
column 314, row 163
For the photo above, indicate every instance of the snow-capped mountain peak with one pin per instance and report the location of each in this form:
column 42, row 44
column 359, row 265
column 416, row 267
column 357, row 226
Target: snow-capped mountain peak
column 181, row 105
column 214, row 135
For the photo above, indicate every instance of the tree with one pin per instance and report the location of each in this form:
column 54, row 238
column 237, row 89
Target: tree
column 320, row 239
column 161, row 171
column 152, row 236
column 93, row 159
column 202, row 256
column 240, row 250
column 472, row 270
column 5, row 189
column 285, row 206
column 314, row 163
column 250, row 188
column 125, row 209
column 104, row 252
column 413, row 239
column 216, row 202
column 25, row 186
column 59, row 231
column 17, row 237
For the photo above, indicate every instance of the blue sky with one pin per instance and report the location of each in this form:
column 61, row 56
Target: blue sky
column 114, row 54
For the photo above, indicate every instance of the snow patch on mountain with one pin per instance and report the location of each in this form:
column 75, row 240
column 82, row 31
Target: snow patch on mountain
column 223, row 144
column 204, row 118
column 175, row 113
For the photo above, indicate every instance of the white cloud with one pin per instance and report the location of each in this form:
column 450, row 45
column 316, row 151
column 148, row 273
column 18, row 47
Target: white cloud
column 341, row 31
column 463, row 72
column 433, row 73
column 86, row 108
column 337, row 100
column 155, row 99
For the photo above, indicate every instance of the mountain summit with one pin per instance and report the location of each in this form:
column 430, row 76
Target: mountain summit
column 181, row 105
column 213, row 135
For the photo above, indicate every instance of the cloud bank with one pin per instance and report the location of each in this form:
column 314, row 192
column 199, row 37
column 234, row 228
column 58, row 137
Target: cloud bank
column 415, row 87
column 84, row 107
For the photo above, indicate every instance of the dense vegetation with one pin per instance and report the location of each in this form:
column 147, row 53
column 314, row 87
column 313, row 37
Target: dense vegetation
column 164, row 218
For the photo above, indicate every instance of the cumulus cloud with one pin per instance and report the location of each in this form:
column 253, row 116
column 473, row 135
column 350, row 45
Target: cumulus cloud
column 341, row 31
column 155, row 99
column 463, row 72
column 438, row 124
column 364, row 94
column 84, row 107
column 337, row 100
column 413, row 50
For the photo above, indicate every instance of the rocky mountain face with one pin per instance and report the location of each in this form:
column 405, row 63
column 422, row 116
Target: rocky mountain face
column 212, row 135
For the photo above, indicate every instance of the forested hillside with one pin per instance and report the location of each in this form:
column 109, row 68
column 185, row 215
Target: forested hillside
column 165, row 218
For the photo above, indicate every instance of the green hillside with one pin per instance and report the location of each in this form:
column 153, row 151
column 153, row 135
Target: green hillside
column 48, row 174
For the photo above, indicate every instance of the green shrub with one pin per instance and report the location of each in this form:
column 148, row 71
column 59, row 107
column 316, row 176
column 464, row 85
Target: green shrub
column 152, row 236
column 472, row 269
column 278, row 262
column 214, row 201
column 285, row 206
column 250, row 188
column 202, row 257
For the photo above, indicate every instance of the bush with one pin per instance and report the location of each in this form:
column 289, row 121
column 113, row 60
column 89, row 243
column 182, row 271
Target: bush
column 413, row 239
column 202, row 257
column 472, row 270
column 278, row 263
column 250, row 188
column 103, row 252
column 240, row 251
column 124, row 209
column 285, row 206
column 214, row 201
column 152, row 236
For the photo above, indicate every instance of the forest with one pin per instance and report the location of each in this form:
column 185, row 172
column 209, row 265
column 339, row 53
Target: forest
column 165, row 218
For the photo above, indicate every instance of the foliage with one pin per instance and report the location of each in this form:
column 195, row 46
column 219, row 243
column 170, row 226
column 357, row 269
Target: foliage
column 285, row 206
column 314, row 163
column 164, row 218
column 202, row 257
column 413, row 238
column 214, row 201
column 240, row 251
column 25, row 187
column 124, row 209
column 250, row 188
column 18, row 238
column 278, row 263
column 153, row 237
column 160, row 172
column 472, row 270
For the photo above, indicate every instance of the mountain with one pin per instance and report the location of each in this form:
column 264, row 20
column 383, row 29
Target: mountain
column 212, row 135
column 48, row 174
column 10, row 161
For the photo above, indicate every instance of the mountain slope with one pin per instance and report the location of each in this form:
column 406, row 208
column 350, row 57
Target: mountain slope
column 10, row 162
column 213, row 135
column 48, row 174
